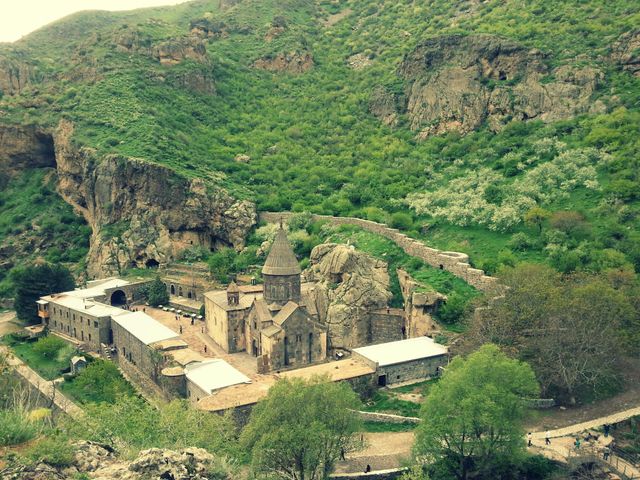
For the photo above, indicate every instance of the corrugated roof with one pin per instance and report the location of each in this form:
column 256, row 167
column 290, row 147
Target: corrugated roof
column 144, row 328
column 214, row 374
column 392, row 353
column 281, row 259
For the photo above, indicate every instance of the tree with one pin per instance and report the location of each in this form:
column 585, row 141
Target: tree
column 567, row 327
column 156, row 293
column 35, row 281
column 49, row 346
column 221, row 263
column 101, row 379
column 472, row 419
column 536, row 216
column 299, row 431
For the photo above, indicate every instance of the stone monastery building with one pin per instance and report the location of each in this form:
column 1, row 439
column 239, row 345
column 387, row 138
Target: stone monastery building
column 277, row 324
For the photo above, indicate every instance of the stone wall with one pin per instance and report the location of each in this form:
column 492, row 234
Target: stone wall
column 389, row 474
column 387, row 418
column 414, row 370
column 386, row 325
column 454, row 262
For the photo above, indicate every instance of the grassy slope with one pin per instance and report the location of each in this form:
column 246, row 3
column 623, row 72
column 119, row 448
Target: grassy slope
column 331, row 155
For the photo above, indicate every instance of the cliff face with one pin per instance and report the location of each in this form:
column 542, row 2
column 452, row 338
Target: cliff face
column 626, row 52
column 349, row 285
column 144, row 214
column 15, row 74
column 457, row 82
column 24, row 147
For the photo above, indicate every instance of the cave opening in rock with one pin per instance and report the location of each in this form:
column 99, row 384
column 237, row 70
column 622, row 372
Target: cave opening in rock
column 118, row 298
column 152, row 263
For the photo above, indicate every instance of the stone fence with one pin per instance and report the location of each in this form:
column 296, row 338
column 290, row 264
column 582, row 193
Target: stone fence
column 386, row 417
column 454, row 262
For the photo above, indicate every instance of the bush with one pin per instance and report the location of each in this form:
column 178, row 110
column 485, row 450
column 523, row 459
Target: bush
column 520, row 242
column 15, row 428
column 401, row 221
column 156, row 293
column 49, row 346
column 54, row 451
column 571, row 223
column 453, row 310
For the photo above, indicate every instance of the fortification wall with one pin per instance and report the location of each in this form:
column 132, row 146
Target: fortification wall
column 454, row 262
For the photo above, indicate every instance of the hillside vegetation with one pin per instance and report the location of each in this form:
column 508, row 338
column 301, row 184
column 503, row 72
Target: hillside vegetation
column 326, row 107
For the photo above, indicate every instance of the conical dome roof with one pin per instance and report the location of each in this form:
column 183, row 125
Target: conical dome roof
column 281, row 259
column 233, row 287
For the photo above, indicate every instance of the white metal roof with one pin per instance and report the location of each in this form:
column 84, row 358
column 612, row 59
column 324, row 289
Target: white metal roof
column 98, row 290
column 143, row 327
column 82, row 305
column 214, row 375
column 401, row 351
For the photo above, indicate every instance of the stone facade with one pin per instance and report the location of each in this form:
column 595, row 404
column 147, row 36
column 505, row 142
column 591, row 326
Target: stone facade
column 131, row 349
column 386, row 325
column 414, row 370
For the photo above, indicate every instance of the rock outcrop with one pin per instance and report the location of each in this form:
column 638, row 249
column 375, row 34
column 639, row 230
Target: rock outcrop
column 15, row 74
column 420, row 303
column 99, row 462
column 293, row 62
column 141, row 212
column 457, row 82
column 24, row 147
column 626, row 52
column 349, row 285
column 384, row 105
column 177, row 50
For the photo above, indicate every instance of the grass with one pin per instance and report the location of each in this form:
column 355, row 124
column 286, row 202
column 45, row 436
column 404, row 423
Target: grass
column 99, row 382
column 48, row 368
column 384, row 401
column 16, row 428
column 421, row 387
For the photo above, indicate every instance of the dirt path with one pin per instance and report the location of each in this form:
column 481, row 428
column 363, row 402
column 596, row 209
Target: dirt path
column 8, row 323
column 382, row 451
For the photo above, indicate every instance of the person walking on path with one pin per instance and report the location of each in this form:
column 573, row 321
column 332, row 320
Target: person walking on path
column 606, row 453
column 368, row 469
column 547, row 438
column 342, row 456
column 576, row 444
column 180, row 329
column 529, row 439
column 607, row 427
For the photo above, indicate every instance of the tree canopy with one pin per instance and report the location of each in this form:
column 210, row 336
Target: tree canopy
column 573, row 329
column 472, row 419
column 156, row 293
column 34, row 281
column 299, row 431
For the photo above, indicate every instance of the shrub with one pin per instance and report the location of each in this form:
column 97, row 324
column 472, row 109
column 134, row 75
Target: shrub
column 15, row 428
column 49, row 346
column 402, row 221
column 453, row 310
column 54, row 451
column 520, row 242
column 156, row 293
column 570, row 222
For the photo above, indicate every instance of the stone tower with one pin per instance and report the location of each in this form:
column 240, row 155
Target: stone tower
column 281, row 272
column 233, row 294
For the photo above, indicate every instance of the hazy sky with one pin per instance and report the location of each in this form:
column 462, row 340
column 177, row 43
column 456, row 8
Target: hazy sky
column 19, row 17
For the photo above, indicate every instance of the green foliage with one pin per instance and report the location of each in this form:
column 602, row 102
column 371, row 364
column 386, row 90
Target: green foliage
column 15, row 427
column 51, row 363
column 402, row 221
column 453, row 310
column 221, row 264
column 573, row 330
column 301, row 427
column 48, row 347
column 133, row 424
column 53, row 450
column 379, row 427
column 472, row 418
column 386, row 401
column 156, row 293
column 35, row 281
column 100, row 381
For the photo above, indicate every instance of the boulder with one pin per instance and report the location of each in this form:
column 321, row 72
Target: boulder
column 349, row 284
column 293, row 62
column 626, row 52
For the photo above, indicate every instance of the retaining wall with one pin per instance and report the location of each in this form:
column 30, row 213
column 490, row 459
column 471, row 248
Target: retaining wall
column 386, row 418
column 389, row 474
column 454, row 262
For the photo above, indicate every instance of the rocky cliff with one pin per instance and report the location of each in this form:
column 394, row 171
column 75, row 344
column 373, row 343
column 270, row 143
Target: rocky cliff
column 15, row 72
column 141, row 213
column 24, row 147
column 349, row 285
column 626, row 52
column 457, row 82
column 292, row 62
column 100, row 462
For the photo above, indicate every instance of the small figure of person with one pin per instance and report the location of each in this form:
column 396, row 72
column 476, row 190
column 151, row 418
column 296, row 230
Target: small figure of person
column 342, row 456
column 606, row 453
column 576, row 444
column 144, row 309
column 607, row 427
column 529, row 437
column 205, row 349
column 192, row 321
column 368, row 469
column 180, row 329
column 547, row 438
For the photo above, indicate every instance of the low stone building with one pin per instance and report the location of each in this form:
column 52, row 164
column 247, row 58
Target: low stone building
column 404, row 360
column 207, row 377
column 140, row 340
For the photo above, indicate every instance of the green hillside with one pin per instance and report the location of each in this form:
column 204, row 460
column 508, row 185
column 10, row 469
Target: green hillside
column 314, row 144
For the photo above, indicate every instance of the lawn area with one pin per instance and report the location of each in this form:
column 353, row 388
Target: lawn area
column 386, row 401
column 50, row 364
column 421, row 387
column 100, row 381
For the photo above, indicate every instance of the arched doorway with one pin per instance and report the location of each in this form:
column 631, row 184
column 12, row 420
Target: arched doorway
column 179, row 291
column 118, row 298
column 152, row 263
column 173, row 290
